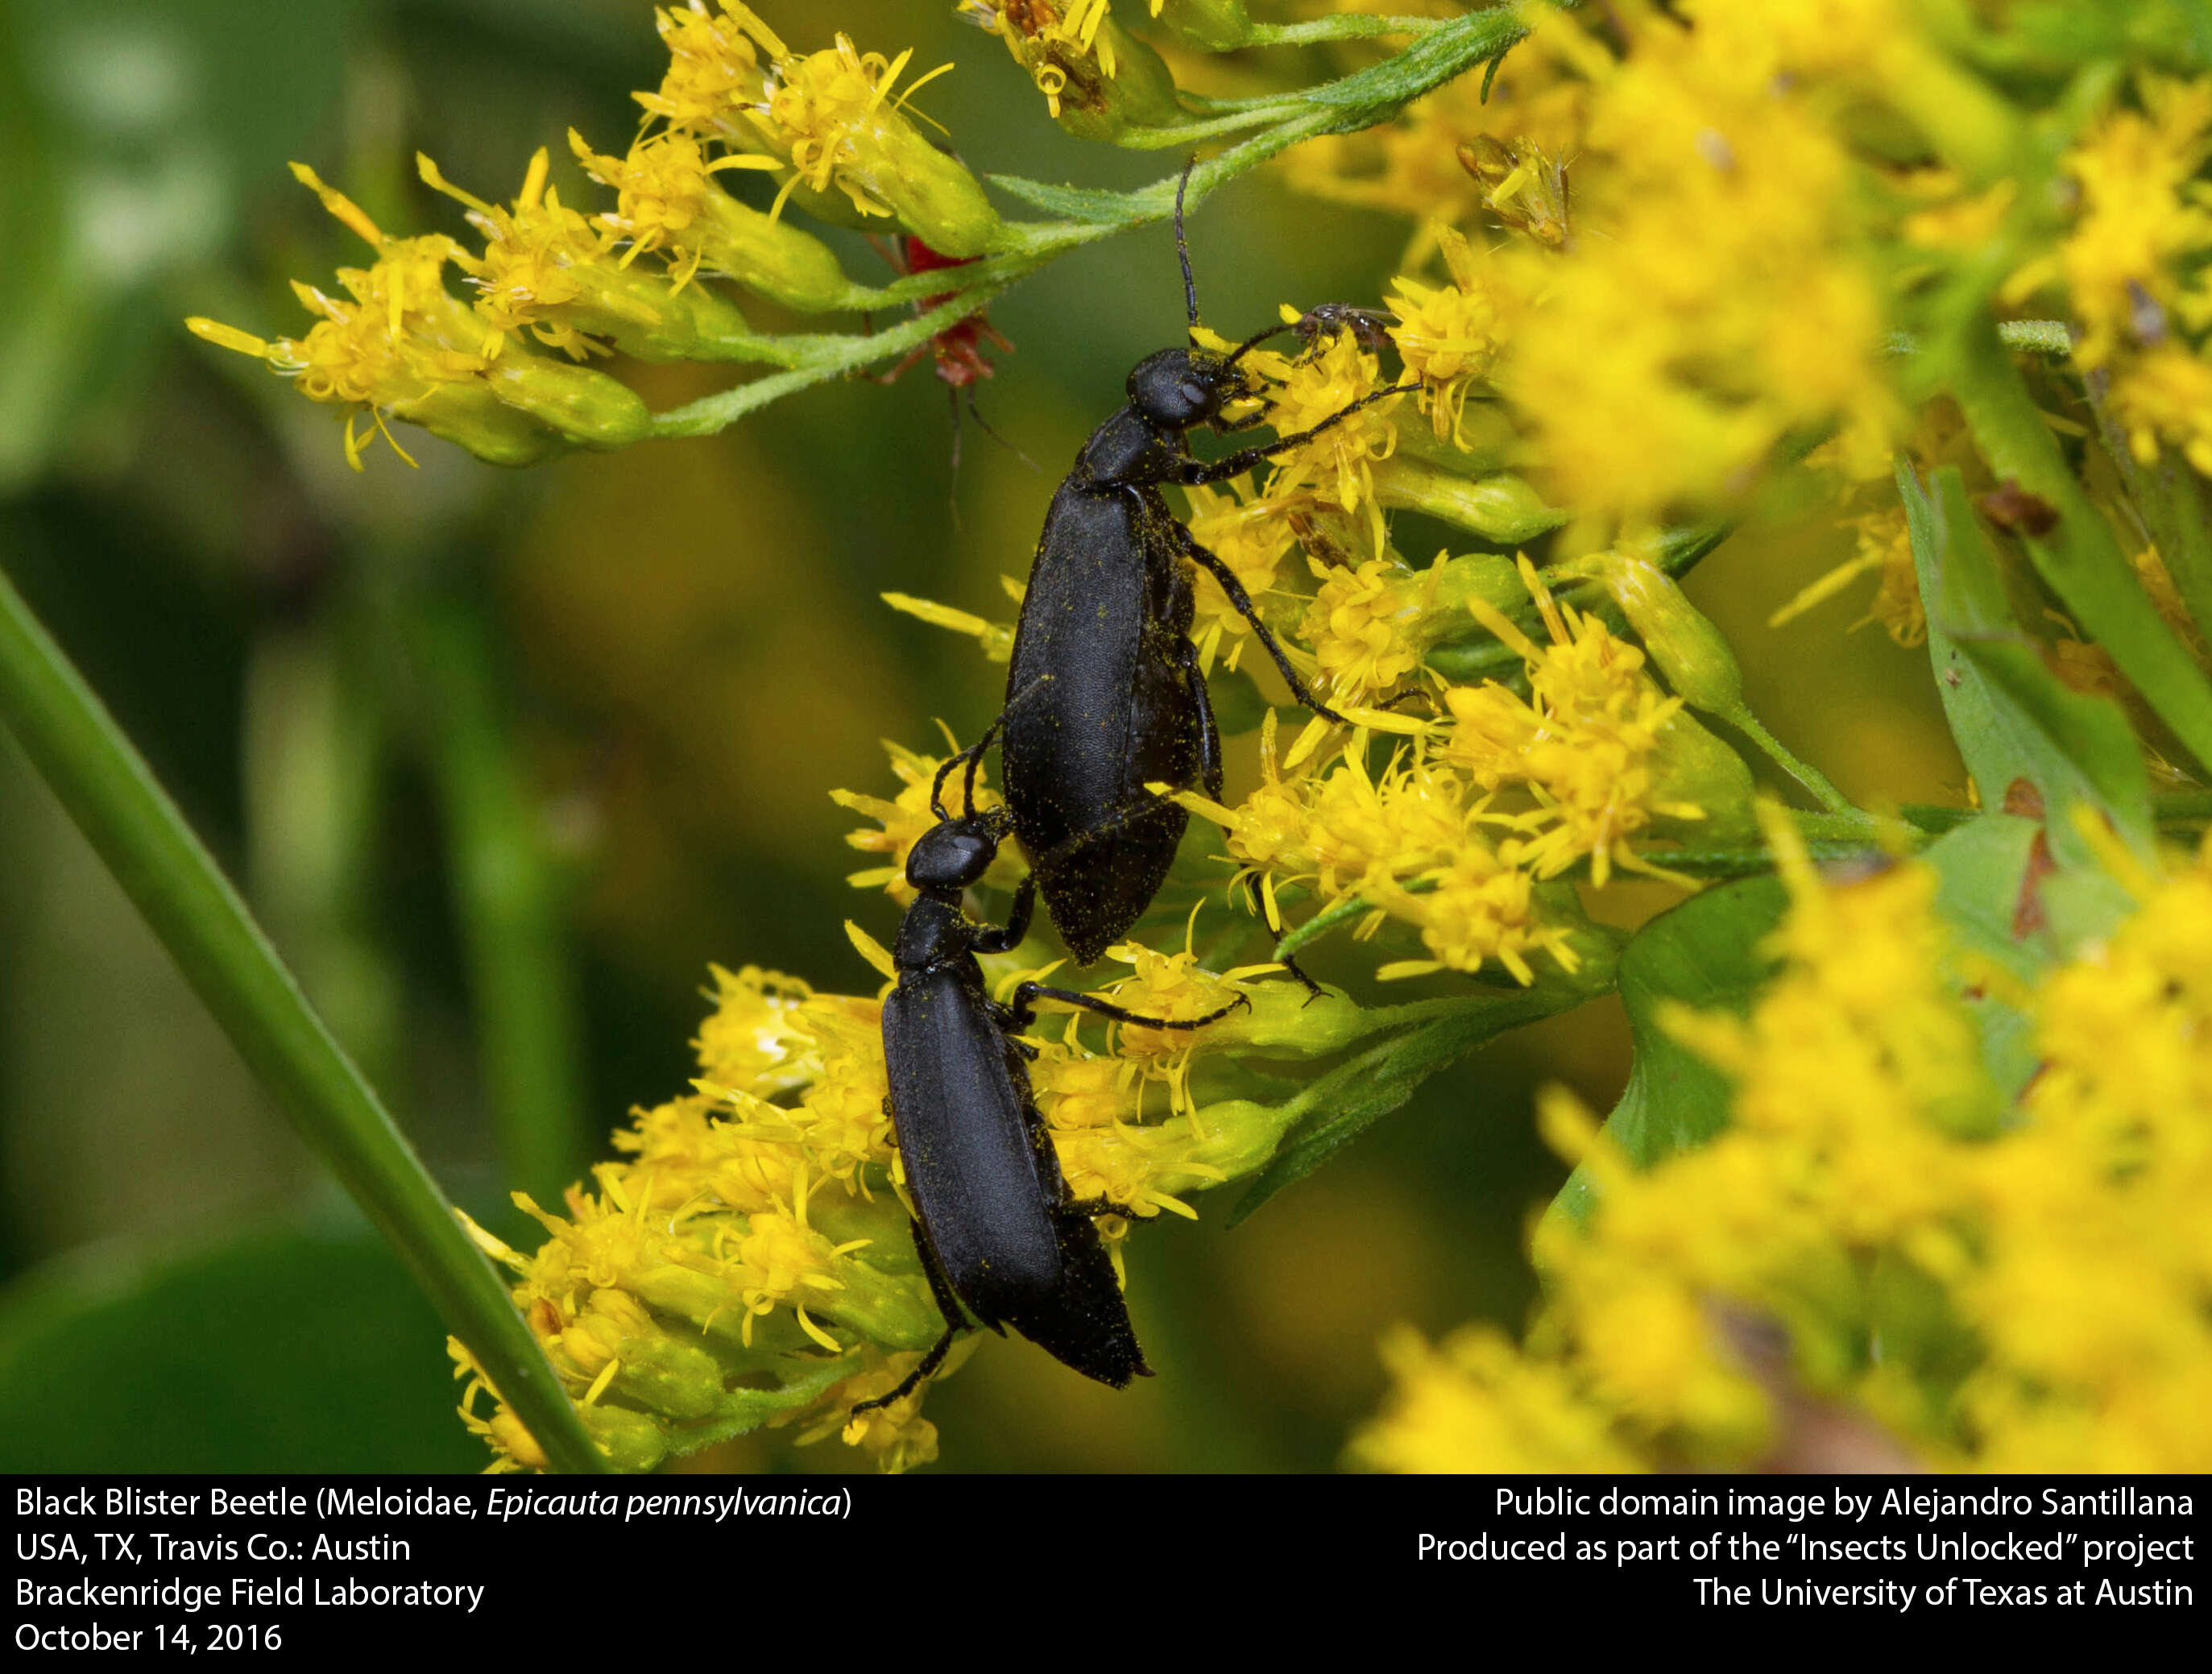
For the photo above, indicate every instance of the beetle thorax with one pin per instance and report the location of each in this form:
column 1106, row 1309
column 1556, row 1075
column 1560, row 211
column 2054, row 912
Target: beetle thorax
column 934, row 932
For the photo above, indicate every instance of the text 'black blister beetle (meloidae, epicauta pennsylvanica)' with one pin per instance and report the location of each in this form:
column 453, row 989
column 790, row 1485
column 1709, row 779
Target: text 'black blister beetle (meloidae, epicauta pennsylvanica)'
column 1115, row 697
column 998, row 1234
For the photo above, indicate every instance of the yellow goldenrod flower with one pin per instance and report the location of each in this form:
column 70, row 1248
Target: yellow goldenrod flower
column 830, row 116
column 545, row 269
column 714, row 72
column 1097, row 81
column 1601, row 751
column 1448, row 338
column 403, row 346
column 1252, row 537
column 1523, row 187
column 1338, row 462
column 668, row 201
column 1429, row 165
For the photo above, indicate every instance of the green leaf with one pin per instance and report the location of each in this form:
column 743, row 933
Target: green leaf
column 1092, row 206
column 1353, row 1097
column 1708, row 954
column 1981, row 874
column 284, row 1350
column 2014, row 719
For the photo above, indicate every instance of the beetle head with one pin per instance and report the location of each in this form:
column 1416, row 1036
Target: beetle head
column 953, row 855
column 1177, row 388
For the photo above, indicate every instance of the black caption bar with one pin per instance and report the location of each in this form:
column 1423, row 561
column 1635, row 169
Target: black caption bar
column 183, row 1566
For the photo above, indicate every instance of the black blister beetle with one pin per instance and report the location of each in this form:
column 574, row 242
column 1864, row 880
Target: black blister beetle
column 998, row 1232
column 1113, row 697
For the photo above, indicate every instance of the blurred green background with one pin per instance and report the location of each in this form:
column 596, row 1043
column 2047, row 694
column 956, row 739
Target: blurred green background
column 503, row 761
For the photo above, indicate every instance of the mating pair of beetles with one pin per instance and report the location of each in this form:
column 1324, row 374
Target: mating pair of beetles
column 1104, row 696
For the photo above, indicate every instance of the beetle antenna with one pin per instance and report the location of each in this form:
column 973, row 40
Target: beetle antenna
column 1255, row 340
column 1182, row 249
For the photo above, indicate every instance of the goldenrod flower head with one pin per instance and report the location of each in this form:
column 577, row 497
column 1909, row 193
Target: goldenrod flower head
column 1523, row 187
column 758, row 1039
column 902, row 820
column 831, row 117
column 1338, row 462
column 1363, row 830
column 1363, row 627
column 547, row 268
column 1448, row 338
column 1435, row 163
column 714, row 70
column 1482, row 906
column 661, row 189
column 1270, row 830
column 1587, row 743
column 526, row 272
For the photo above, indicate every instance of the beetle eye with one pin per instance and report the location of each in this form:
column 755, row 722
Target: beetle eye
column 1196, row 395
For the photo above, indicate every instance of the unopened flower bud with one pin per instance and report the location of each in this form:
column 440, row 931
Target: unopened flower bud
column 1688, row 649
column 587, row 407
column 1503, row 508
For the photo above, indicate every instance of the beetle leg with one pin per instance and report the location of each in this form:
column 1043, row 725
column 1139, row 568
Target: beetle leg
column 1240, row 601
column 1192, row 472
column 1029, row 992
column 1007, row 939
column 1275, row 929
column 948, row 1304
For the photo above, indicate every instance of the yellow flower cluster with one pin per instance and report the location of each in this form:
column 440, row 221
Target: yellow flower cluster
column 1877, row 1239
column 1459, row 833
column 1705, row 294
column 403, row 346
column 734, row 98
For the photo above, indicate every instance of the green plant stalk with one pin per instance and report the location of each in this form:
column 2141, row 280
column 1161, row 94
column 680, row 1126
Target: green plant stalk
column 505, row 898
column 172, row 879
column 1822, row 787
column 2079, row 558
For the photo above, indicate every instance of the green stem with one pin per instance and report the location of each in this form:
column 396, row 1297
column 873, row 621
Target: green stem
column 509, row 914
column 829, row 357
column 172, row 879
column 1824, row 790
